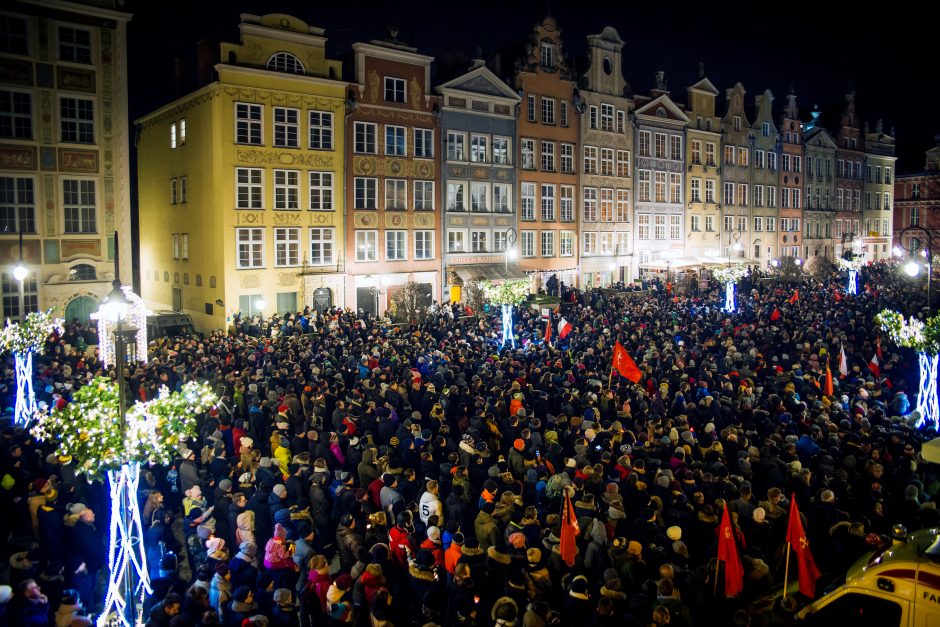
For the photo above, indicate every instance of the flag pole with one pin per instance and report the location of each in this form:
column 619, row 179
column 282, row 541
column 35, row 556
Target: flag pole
column 717, row 567
column 610, row 379
column 786, row 572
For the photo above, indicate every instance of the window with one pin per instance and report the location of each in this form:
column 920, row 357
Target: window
column 502, row 195
column 321, row 130
column 729, row 155
column 915, row 191
column 365, row 133
column 758, row 195
column 16, row 115
column 797, row 198
column 696, row 190
column 321, row 191
column 455, row 241
column 396, row 247
column 248, row 192
column 589, row 207
column 395, row 140
column 548, row 203
column 173, row 139
column 285, row 62
column 286, row 189
column 623, row 205
column 742, row 224
column 321, row 246
column 644, row 143
column 742, row 156
column 727, row 223
column 176, row 246
column 621, row 121
column 607, row 117
column 13, row 36
column 607, row 204
column 248, row 123
column 566, row 244
column 567, row 158
column 530, row 109
column 77, row 120
column 675, row 188
column 564, row 113
column 590, row 160
column 174, row 191
column 710, row 154
column 675, row 226
column 548, row 156
column 367, row 244
column 455, row 146
column 643, row 226
column 887, row 201
column 710, row 223
column 696, row 151
column 771, row 196
column 499, row 241
column 11, row 295
column 765, row 129
column 424, row 245
column 548, row 243
column 785, row 197
column 659, row 179
column 785, row 162
column 696, row 223
column 528, row 201
column 396, row 195
column 80, row 207
column 74, row 45
column 858, row 199
column 659, row 226
column 286, row 247
column 742, row 194
column 478, row 148
column 643, row 177
column 797, row 163
column 286, row 133
column 661, row 145
column 771, row 224
column 394, row 89
column 250, row 248
column 592, row 116
column 567, row 203
column 528, row 154
column 607, row 161
column 736, row 122
column 675, row 147
column 365, row 192
column 589, row 243
column 771, row 160
column 887, row 179
column 758, row 224
column 182, row 127
column 758, row 158
column 728, row 197
column 479, row 195
column 623, row 163
column 710, row 191
column 455, row 196
column 424, row 195
column 501, row 150
column 548, row 110
column 17, row 205
column 527, row 243
column 547, row 56
column 478, row 242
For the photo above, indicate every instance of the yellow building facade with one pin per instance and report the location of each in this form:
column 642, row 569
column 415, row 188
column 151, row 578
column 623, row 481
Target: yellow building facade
column 241, row 182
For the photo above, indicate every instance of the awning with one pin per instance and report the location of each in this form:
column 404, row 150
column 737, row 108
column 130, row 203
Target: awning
column 694, row 262
column 931, row 451
column 489, row 271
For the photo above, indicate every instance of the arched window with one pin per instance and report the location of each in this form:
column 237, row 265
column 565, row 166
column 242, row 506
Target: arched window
column 285, row 62
column 82, row 272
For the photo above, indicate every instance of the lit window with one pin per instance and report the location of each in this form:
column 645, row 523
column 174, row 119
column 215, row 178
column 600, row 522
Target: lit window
column 285, row 62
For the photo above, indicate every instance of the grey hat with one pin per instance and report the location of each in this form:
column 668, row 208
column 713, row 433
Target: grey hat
column 75, row 508
column 248, row 548
column 185, row 453
column 225, row 485
column 265, row 462
column 280, row 490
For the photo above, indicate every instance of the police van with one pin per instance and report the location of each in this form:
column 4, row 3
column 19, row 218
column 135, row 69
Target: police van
column 895, row 587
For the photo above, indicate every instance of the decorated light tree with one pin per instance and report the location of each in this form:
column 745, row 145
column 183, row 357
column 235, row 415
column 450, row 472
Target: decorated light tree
column 24, row 339
column 852, row 266
column 506, row 294
column 924, row 337
column 729, row 275
column 104, row 441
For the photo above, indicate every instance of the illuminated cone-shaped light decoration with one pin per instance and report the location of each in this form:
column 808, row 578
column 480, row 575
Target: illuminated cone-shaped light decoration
column 24, row 339
column 506, row 294
column 922, row 336
column 729, row 275
column 851, row 266
column 853, row 282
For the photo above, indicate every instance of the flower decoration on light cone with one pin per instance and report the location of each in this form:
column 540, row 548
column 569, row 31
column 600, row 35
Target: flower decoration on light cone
column 923, row 336
column 506, row 294
column 857, row 263
column 729, row 274
column 23, row 339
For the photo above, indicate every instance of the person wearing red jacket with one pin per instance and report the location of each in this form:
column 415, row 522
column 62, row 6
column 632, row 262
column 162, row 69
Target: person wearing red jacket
column 399, row 541
column 433, row 544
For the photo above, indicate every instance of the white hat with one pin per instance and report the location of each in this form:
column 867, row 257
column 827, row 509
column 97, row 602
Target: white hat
column 6, row 593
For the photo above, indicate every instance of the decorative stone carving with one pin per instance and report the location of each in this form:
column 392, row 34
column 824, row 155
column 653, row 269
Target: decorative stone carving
column 257, row 156
column 255, row 218
column 284, row 218
column 250, row 280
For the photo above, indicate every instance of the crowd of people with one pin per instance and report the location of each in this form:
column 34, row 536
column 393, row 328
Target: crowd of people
column 357, row 472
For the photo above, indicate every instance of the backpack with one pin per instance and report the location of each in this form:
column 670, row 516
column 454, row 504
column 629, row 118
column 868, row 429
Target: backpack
column 556, row 484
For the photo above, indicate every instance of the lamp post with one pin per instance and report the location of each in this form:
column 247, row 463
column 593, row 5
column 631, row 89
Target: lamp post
column 912, row 268
column 510, row 249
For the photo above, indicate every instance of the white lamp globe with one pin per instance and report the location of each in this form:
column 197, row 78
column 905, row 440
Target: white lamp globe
column 20, row 272
column 912, row 268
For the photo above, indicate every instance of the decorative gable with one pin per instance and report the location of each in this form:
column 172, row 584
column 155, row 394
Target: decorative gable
column 481, row 81
column 663, row 107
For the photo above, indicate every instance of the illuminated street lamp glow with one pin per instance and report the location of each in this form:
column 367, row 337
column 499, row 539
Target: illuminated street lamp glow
column 260, row 304
column 20, row 272
column 897, row 251
column 912, row 268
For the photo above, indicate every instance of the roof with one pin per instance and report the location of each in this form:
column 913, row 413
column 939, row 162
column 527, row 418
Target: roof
column 898, row 560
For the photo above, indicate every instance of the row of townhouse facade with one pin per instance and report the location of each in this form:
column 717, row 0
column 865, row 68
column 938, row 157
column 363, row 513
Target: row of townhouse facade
column 280, row 185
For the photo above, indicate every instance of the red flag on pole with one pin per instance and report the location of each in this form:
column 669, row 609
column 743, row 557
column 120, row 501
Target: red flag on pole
column 828, row 389
column 836, row 295
column 795, row 298
column 796, row 537
column 625, row 365
column 775, row 315
column 569, row 531
column 875, row 365
column 548, row 328
column 564, row 328
column 728, row 553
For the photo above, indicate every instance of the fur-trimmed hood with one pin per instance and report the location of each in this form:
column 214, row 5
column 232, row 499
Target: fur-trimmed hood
column 496, row 556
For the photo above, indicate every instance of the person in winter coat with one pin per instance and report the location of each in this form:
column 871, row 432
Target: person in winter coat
column 220, row 590
column 505, row 612
column 348, row 542
column 242, row 606
column 163, row 612
column 318, row 584
column 278, row 556
column 432, row 544
column 245, row 527
column 264, row 526
column 430, row 504
column 371, row 581
column 284, row 613
column 485, row 527
column 595, row 556
column 187, row 470
column 70, row 611
column 339, row 605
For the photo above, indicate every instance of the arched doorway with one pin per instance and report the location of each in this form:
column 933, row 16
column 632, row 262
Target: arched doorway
column 80, row 307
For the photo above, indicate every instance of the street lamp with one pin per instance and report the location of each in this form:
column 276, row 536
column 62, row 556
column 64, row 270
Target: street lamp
column 912, row 268
column 260, row 305
column 511, row 252
column 20, row 272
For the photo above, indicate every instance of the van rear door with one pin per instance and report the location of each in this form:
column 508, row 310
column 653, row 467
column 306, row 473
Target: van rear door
column 860, row 607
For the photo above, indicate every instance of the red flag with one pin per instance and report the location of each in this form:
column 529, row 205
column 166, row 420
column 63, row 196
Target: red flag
column 775, row 315
column 728, row 553
column 874, row 365
column 467, row 310
column 624, row 365
column 828, row 389
column 796, row 538
column 564, row 328
column 548, row 328
column 795, row 298
column 569, row 531
column 836, row 295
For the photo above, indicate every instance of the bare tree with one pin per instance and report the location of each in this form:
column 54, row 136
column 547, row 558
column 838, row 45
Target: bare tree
column 410, row 302
column 473, row 296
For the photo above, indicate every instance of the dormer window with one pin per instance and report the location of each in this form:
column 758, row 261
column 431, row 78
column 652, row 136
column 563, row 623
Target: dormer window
column 285, row 62
column 547, row 56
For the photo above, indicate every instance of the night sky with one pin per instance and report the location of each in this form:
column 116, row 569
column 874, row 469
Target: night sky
column 881, row 51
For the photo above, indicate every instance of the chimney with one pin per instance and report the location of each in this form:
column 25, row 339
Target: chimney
column 180, row 89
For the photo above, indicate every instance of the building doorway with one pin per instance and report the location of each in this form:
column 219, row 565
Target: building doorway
column 80, row 308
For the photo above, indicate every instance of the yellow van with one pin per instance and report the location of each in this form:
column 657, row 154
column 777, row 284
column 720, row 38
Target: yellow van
column 896, row 587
